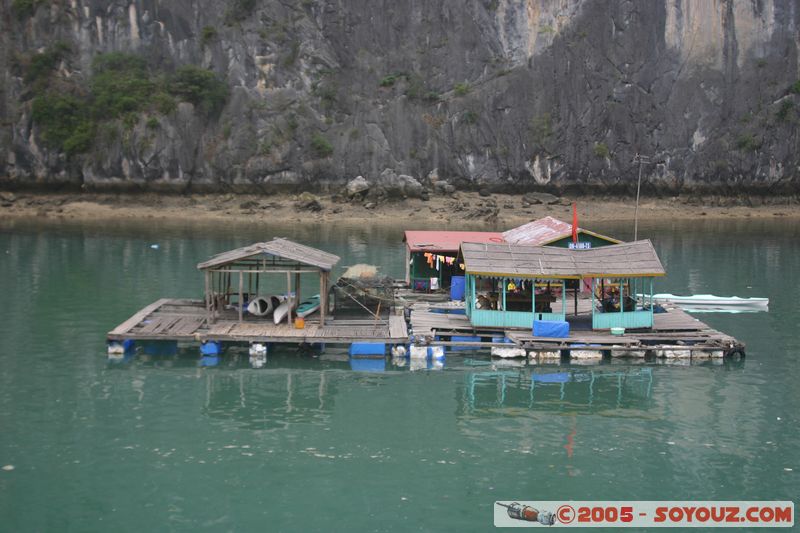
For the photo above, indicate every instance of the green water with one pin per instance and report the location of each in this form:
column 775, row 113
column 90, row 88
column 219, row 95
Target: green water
column 307, row 444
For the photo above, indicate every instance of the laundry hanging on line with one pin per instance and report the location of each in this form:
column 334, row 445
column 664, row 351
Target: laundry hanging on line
column 435, row 260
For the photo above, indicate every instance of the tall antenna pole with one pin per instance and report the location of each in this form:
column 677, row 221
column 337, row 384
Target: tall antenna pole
column 641, row 159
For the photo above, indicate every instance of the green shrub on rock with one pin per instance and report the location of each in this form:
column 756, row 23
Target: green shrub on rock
column 200, row 87
column 321, row 146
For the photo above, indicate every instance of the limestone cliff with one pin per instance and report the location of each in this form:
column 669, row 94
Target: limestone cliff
column 504, row 94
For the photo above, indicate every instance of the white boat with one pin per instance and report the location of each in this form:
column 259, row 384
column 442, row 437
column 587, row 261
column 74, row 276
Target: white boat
column 283, row 309
column 260, row 306
column 264, row 305
column 709, row 302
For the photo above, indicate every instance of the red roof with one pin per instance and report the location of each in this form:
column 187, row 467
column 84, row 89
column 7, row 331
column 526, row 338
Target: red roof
column 447, row 241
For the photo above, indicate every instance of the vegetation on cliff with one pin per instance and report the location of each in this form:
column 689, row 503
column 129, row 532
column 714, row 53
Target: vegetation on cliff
column 121, row 90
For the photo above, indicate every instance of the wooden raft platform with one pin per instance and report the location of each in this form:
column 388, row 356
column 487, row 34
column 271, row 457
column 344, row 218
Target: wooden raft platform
column 185, row 320
column 673, row 329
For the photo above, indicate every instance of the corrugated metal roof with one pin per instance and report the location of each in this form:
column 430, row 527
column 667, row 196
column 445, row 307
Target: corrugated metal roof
column 544, row 231
column 277, row 247
column 447, row 241
column 632, row 259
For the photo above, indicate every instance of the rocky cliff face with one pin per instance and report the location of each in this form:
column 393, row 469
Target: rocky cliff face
column 502, row 94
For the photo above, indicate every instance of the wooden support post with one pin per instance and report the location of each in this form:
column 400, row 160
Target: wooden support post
column 227, row 287
column 577, row 287
column 241, row 298
column 297, row 287
column 289, row 299
column 323, row 297
column 206, row 276
column 214, row 281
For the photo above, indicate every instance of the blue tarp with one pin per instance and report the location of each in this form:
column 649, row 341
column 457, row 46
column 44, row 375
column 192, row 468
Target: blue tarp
column 550, row 328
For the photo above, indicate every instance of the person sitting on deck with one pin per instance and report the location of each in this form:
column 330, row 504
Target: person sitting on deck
column 610, row 300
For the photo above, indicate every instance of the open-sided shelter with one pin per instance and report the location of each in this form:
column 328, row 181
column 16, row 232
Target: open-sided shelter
column 233, row 277
column 511, row 285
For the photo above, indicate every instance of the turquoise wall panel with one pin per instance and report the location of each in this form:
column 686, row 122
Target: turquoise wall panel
column 510, row 319
column 555, row 317
column 483, row 317
column 628, row 319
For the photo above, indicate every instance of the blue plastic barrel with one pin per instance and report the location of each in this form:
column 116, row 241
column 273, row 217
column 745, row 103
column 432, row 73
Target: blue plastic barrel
column 367, row 349
column 210, row 348
column 464, row 338
column 457, row 288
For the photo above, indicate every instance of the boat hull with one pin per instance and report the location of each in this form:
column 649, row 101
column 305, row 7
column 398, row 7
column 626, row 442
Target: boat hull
column 709, row 302
column 282, row 310
column 261, row 306
column 306, row 307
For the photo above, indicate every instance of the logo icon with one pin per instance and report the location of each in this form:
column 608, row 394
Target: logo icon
column 565, row 514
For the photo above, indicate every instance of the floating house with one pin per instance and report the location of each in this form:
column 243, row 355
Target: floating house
column 431, row 255
column 549, row 231
column 233, row 277
column 511, row 285
column 509, row 289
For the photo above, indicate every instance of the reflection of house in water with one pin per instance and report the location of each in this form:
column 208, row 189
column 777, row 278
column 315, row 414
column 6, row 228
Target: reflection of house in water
column 558, row 389
column 271, row 400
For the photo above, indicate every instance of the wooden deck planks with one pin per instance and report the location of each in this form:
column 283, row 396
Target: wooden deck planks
column 187, row 326
column 129, row 324
column 168, row 319
column 397, row 327
column 675, row 319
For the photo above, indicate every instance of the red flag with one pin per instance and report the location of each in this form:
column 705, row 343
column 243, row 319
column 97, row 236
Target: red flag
column 575, row 223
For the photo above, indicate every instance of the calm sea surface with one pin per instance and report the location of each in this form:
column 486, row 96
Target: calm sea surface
column 308, row 444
